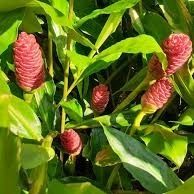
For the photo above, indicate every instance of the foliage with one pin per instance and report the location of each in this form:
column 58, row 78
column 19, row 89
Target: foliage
column 86, row 43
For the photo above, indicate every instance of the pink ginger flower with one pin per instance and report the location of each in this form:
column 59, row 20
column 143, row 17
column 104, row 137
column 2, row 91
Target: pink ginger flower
column 71, row 142
column 155, row 68
column 100, row 98
column 29, row 65
column 156, row 96
column 178, row 49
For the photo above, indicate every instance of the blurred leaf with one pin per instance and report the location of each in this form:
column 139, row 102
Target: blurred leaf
column 12, row 4
column 187, row 187
column 184, row 85
column 73, row 109
column 73, row 188
column 146, row 167
column 106, row 157
column 23, row 120
column 177, row 15
column 30, row 23
column 187, row 118
column 115, row 7
column 156, row 26
column 163, row 141
column 9, row 152
column 9, row 27
column 123, row 119
column 34, row 155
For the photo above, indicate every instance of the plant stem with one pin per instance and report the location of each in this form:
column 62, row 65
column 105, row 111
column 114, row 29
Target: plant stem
column 50, row 54
column 137, row 122
column 132, row 95
column 66, row 68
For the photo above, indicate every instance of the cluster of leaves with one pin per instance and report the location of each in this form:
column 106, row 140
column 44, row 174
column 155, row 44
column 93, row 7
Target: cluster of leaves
column 86, row 43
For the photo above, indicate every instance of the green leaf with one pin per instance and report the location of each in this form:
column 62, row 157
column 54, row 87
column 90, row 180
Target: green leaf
column 161, row 32
column 73, row 188
column 30, row 23
column 163, row 141
column 184, row 85
column 12, row 4
column 4, row 89
column 110, row 26
column 123, row 119
column 54, row 14
column 146, row 167
column 61, row 5
column 187, row 118
column 177, row 15
column 73, row 109
column 43, row 100
column 34, row 155
column 9, row 27
column 115, row 7
column 139, row 44
column 136, row 21
column 187, row 187
column 79, row 37
column 9, row 152
column 23, row 120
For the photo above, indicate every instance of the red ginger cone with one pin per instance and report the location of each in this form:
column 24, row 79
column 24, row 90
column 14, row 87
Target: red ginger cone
column 71, row 142
column 155, row 68
column 29, row 65
column 156, row 96
column 100, row 98
column 178, row 48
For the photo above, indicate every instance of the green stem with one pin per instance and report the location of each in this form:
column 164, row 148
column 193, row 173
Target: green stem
column 66, row 68
column 137, row 122
column 132, row 95
column 50, row 54
column 140, row 7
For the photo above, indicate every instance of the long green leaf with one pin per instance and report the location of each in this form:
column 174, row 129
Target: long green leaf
column 115, row 7
column 139, row 44
column 145, row 166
